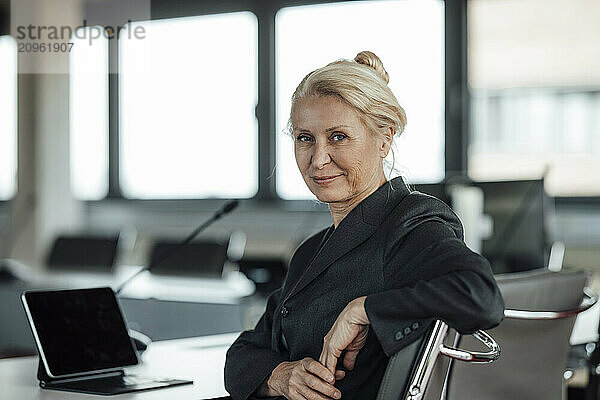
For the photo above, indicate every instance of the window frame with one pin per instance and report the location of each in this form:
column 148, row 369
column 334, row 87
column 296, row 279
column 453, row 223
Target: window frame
column 456, row 114
column 5, row 30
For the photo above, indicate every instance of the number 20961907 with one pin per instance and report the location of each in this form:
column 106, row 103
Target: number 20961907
column 45, row 47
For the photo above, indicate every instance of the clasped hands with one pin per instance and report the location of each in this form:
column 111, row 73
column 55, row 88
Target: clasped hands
column 312, row 379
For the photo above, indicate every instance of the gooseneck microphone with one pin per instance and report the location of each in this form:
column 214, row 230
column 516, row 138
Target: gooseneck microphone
column 227, row 208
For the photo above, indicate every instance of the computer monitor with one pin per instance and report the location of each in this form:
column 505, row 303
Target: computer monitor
column 518, row 210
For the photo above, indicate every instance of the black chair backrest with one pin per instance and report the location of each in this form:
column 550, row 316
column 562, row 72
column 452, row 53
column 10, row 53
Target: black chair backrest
column 403, row 367
column 399, row 371
column 420, row 370
column 83, row 252
column 204, row 258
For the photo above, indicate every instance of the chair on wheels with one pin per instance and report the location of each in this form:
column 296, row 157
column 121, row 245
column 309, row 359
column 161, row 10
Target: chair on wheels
column 419, row 371
column 534, row 336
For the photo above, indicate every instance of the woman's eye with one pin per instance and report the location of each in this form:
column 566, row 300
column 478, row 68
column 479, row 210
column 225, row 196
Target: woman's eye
column 303, row 138
column 339, row 136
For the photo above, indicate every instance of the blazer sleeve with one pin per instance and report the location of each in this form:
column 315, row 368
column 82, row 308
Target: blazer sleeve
column 250, row 359
column 431, row 274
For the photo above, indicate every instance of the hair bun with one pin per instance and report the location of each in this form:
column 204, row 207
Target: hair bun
column 369, row 59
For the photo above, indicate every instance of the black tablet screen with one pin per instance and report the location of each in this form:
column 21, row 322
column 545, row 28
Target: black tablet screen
column 80, row 330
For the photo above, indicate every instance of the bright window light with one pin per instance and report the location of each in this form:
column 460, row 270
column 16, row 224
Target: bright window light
column 8, row 117
column 534, row 76
column 188, row 92
column 407, row 35
column 88, row 104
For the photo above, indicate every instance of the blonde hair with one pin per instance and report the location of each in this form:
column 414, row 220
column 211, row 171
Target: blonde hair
column 361, row 83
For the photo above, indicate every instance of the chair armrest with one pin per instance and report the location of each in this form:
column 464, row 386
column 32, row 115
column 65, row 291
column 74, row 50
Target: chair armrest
column 424, row 367
column 590, row 299
column 434, row 346
column 474, row 356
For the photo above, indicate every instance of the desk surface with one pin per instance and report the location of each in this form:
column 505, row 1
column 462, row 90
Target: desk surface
column 199, row 359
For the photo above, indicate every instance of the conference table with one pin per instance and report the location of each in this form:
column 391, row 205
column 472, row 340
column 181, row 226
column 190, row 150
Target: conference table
column 200, row 359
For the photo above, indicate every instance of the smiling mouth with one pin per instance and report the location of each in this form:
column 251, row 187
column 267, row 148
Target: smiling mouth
column 325, row 180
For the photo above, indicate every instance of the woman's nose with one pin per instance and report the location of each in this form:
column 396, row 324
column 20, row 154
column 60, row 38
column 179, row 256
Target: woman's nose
column 321, row 156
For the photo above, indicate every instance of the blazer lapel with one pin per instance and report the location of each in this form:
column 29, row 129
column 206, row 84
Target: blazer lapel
column 355, row 228
column 350, row 233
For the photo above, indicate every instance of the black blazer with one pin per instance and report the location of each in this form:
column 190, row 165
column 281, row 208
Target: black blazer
column 404, row 250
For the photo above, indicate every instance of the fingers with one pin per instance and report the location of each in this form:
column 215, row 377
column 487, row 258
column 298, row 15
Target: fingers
column 313, row 381
column 316, row 368
column 323, row 355
column 322, row 391
column 305, row 393
column 295, row 395
column 331, row 362
column 329, row 354
column 350, row 359
column 339, row 374
column 321, row 387
column 324, row 358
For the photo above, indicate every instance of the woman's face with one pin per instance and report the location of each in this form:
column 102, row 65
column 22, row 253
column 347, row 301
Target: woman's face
column 337, row 157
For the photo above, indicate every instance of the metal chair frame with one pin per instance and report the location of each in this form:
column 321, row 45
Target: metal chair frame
column 589, row 300
column 434, row 347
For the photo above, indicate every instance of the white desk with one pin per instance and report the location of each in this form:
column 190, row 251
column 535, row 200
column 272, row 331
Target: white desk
column 199, row 359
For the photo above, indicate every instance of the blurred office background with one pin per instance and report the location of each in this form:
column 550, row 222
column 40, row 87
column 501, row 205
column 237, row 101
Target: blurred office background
column 121, row 145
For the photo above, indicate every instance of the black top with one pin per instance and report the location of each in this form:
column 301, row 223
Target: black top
column 404, row 251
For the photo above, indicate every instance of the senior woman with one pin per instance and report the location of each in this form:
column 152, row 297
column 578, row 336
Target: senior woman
column 371, row 283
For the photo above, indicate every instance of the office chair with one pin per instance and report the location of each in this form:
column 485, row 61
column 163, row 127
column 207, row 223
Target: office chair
column 419, row 371
column 203, row 258
column 84, row 252
column 534, row 336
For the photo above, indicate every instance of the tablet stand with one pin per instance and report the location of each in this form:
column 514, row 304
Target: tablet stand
column 103, row 383
column 47, row 382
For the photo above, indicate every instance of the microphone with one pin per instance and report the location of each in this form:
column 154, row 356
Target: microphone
column 227, row 208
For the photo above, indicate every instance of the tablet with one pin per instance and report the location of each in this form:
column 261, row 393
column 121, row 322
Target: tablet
column 79, row 331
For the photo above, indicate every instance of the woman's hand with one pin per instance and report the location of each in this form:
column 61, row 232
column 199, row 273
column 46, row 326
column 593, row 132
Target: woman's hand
column 299, row 380
column 349, row 332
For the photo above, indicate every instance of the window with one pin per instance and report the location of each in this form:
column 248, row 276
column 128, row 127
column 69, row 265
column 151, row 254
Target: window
column 534, row 74
column 88, row 115
column 416, row 69
column 8, row 116
column 187, row 98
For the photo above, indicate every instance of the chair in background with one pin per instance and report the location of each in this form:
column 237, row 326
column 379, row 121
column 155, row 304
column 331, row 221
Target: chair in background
column 84, row 252
column 204, row 258
column 534, row 336
column 419, row 371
